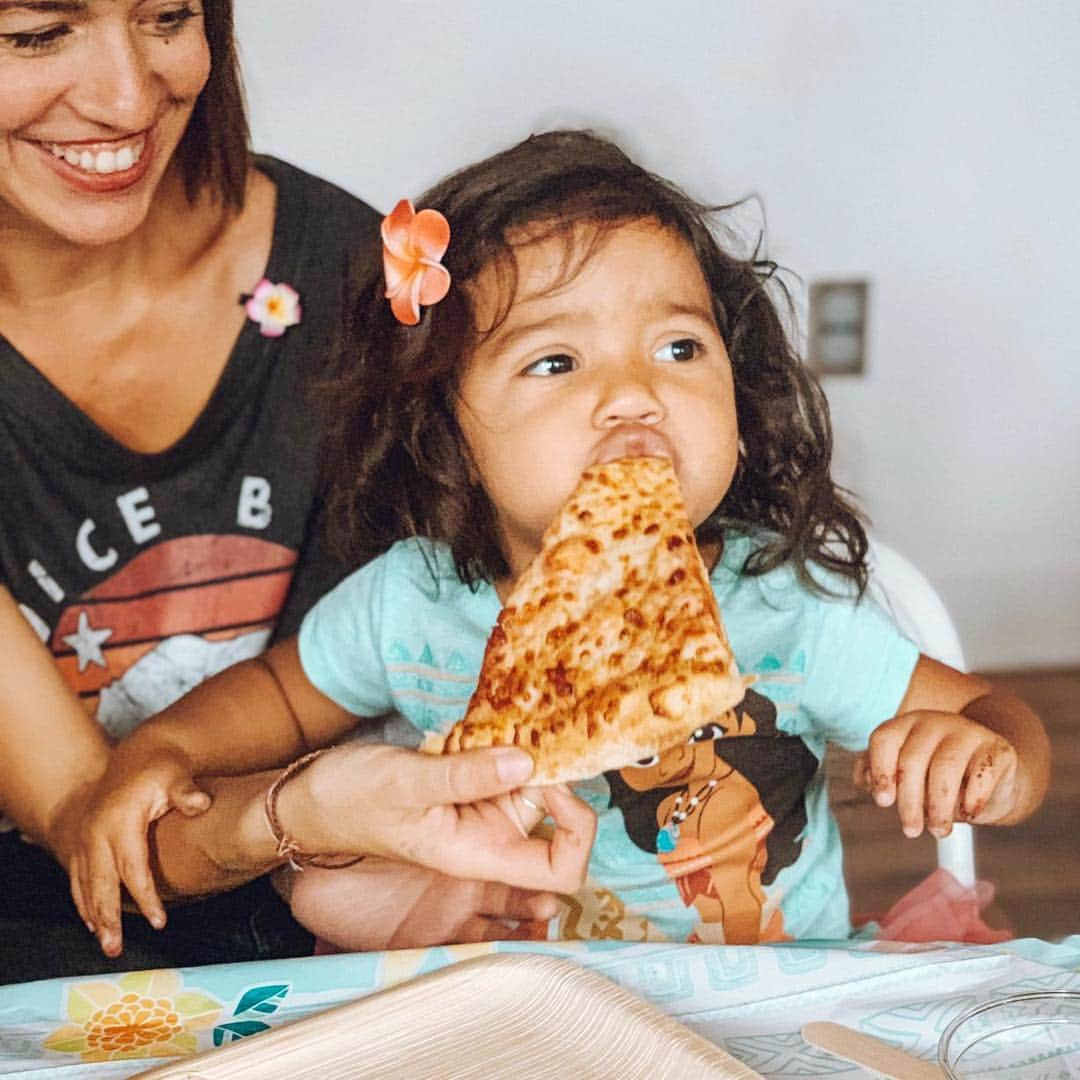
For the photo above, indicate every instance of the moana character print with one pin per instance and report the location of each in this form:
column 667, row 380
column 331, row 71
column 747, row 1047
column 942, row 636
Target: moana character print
column 724, row 813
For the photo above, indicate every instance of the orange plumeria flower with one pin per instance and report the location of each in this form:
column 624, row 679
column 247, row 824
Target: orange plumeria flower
column 413, row 244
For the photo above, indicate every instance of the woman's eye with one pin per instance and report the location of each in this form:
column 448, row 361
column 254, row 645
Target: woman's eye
column 646, row 762
column 173, row 20
column 33, row 41
column 707, row 733
column 678, row 352
column 559, row 364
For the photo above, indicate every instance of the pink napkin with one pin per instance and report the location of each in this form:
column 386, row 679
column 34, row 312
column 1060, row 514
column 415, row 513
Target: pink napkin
column 939, row 908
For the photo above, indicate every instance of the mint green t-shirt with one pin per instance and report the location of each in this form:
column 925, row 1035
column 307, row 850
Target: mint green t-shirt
column 727, row 838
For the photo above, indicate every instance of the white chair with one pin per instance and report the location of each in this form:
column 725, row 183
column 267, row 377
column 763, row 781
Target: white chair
column 920, row 614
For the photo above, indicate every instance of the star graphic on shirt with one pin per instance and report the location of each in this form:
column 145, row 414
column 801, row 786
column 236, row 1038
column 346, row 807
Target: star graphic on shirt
column 87, row 642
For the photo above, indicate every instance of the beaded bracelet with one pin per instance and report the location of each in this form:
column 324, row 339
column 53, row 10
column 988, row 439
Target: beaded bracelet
column 287, row 847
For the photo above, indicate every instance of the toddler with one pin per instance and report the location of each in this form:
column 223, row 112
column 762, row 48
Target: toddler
column 584, row 311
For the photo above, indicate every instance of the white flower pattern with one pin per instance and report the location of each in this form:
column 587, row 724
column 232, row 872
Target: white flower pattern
column 275, row 307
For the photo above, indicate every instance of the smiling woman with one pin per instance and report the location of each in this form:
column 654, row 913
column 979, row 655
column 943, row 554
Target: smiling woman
column 165, row 299
column 134, row 220
column 96, row 100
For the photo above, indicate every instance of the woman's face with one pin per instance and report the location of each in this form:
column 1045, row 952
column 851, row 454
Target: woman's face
column 95, row 96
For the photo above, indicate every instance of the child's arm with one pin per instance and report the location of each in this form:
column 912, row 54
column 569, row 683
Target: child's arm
column 257, row 714
column 957, row 750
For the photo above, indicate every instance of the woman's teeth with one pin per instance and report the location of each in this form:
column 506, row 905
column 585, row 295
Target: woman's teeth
column 103, row 161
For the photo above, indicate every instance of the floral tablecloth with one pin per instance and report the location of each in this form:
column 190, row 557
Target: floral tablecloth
column 752, row 1000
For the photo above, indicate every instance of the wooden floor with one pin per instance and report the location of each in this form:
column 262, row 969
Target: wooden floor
column 1035, row 866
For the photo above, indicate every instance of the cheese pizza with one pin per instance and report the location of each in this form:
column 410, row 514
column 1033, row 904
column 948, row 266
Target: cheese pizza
column 610, row 646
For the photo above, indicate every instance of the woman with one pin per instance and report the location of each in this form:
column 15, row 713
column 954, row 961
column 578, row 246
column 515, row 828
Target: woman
column 164, row 299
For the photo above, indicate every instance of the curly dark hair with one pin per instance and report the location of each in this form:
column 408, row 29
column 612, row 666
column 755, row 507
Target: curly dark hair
column 397, row 461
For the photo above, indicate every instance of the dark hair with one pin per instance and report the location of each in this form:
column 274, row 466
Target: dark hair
column 215, row 147
column 398, row 462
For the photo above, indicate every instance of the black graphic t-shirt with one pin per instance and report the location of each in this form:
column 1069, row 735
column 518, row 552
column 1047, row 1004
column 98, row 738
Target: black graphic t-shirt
column 146, row 573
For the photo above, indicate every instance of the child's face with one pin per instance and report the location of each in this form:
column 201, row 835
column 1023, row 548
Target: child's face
column 624, row 359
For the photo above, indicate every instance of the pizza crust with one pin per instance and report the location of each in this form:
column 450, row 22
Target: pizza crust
column 610, row 647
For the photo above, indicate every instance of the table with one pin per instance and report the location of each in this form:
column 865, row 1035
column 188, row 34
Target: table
column 751, row 1000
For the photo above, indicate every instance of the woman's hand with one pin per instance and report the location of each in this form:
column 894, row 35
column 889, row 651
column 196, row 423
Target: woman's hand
column 139, row 786
column 385, row 904
column 937, row 768
column 439, row 811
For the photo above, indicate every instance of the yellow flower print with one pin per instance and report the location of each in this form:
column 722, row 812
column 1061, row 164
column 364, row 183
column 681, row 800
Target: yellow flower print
column 143, row 1014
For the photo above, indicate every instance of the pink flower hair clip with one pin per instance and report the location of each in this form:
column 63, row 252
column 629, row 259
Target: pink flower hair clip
column 274, row 307
column 413, row 244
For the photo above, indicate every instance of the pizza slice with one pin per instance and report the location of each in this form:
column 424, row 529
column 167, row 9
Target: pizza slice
column 610, row 647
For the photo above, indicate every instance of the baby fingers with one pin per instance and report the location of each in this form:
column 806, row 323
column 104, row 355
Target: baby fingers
column 133, row 862
column 946, row 780
column 99, row 888
column 939, row 767
column 915, row 801
column 990, row 774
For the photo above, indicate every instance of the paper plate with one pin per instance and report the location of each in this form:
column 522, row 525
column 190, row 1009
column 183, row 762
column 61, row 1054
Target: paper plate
column 526, row 1017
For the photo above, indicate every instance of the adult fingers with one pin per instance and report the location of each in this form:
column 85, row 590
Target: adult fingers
column 555, row 864
column 571, row 845
column 457, row 779
column 531, row 804
column 475, row 929
column 502, row 901
column 508, row 805
column 525, row 808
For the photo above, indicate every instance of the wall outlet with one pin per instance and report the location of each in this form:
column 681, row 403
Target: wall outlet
column 837, row 338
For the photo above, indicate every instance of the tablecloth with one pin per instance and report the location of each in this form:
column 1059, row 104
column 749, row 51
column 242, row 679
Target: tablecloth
column 751, row 1000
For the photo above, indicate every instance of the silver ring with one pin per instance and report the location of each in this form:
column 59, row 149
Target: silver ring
column 528, row 802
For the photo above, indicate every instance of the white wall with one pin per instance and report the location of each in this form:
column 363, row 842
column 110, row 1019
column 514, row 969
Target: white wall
column 932, row 147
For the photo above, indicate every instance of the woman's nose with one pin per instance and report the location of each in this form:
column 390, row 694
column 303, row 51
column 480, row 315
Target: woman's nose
column 116, row 90
column 629, row 397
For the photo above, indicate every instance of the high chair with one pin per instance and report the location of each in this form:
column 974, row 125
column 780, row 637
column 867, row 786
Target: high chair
column 919, row 612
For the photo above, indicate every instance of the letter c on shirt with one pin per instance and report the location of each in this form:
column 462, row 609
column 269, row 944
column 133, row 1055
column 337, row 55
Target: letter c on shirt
column 91, row 559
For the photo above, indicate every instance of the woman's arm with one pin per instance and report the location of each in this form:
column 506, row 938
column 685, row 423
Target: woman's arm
column 53, row 752
column 365, row 799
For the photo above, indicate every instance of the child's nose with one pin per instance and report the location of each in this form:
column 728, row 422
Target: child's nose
column 629, row 398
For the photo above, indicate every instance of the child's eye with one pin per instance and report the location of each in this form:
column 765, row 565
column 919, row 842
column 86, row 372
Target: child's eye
column 557, row 364
column 36, row 41
column 678, row 352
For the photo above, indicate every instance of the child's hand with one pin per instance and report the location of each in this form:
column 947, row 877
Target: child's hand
column 939, row 767
column 137, row 789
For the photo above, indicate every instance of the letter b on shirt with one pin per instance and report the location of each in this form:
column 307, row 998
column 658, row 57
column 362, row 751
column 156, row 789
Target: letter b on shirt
column 253, row 510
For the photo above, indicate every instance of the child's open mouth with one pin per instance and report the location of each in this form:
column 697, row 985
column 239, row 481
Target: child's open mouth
column 632, row 440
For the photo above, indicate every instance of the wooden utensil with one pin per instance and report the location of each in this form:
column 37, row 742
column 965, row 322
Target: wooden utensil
column 866, row 1050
